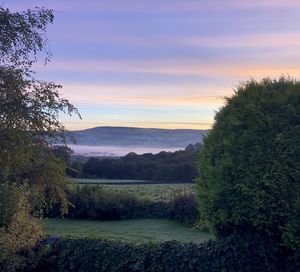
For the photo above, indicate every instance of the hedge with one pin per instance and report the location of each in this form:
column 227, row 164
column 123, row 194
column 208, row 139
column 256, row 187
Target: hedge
column 250, row 162
column 94, row 202
column 250, row 252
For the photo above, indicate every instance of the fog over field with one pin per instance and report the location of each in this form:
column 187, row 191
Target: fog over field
column 117, row 151
column 119, row 141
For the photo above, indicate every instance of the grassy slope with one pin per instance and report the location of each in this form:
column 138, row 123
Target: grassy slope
column 139, row 230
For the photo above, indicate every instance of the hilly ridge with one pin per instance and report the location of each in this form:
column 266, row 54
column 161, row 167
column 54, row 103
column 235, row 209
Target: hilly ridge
column 143, row 137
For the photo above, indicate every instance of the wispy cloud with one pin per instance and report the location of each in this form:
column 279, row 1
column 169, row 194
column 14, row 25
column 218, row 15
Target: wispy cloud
column 153, row 5
column 263, row 40
column 141, row 96
column 275, row 41
column 260, row 67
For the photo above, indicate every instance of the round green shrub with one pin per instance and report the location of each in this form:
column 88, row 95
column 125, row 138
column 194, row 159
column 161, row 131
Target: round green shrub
column 250, row 162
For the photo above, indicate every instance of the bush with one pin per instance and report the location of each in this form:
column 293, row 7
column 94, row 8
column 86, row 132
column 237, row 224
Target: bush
column 247, row 253
column 19, row 231
column 184, row 208
column 94, row 202
column 9, row 197
column 249, row 165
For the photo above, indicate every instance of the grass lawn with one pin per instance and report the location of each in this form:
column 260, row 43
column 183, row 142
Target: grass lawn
column 137, row 230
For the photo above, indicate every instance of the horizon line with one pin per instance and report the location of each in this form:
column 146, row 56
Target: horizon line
column 138, row 127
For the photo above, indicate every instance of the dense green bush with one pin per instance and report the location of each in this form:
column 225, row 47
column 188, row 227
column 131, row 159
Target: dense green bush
column 93, row 202
column 184, row 208
column 250, row 162
column 245, row 253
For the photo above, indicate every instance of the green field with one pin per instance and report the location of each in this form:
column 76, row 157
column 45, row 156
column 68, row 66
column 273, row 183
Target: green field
column 151, row 191
column 108, row 181
column 154, row 192
column 138, row 230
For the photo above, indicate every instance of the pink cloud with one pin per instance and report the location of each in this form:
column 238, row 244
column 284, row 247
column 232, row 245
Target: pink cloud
column 139, row 96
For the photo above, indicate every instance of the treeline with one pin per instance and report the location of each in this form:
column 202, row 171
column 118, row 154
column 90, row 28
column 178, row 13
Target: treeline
column 164, row 166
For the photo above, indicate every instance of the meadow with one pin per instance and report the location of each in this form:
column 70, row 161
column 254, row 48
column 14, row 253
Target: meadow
column 110, row 181
column 154, row 192
column 134, row 230
column 154, row 225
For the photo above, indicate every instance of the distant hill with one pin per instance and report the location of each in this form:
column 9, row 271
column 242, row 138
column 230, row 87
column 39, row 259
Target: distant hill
column 143, row 137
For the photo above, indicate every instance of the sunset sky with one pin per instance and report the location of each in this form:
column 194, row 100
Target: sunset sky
column 163, row 63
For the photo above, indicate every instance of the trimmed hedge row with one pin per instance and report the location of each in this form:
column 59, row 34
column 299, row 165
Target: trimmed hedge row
column 237, row 253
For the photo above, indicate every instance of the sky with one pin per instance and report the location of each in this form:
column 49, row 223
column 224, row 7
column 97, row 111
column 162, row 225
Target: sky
column 163, row 63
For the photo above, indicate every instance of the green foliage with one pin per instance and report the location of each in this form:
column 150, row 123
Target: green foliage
column 246, row 253
column 19, row 231
column 29, row 108
column 9, row 196
column 249, row 165
column 185, row 209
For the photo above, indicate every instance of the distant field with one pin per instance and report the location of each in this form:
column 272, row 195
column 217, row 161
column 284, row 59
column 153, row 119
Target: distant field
column 110, row 181
column 122, row 181
column 153, row 191
column 150, row 191
column 138, row 231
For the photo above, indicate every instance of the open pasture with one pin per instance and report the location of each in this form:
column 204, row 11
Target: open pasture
column 154, row 192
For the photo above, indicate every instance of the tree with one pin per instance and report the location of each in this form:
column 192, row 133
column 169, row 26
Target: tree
column 29, row 108
column 249, row 164
column 30, row 174
column 23, row 36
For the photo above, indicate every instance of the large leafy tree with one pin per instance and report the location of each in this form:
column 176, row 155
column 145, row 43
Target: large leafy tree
column 30, row 173
column 250, row 162
column 29, row 108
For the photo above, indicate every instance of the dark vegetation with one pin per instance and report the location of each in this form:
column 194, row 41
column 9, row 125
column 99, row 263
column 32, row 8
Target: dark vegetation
column 247, row 252
column 179, row 166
